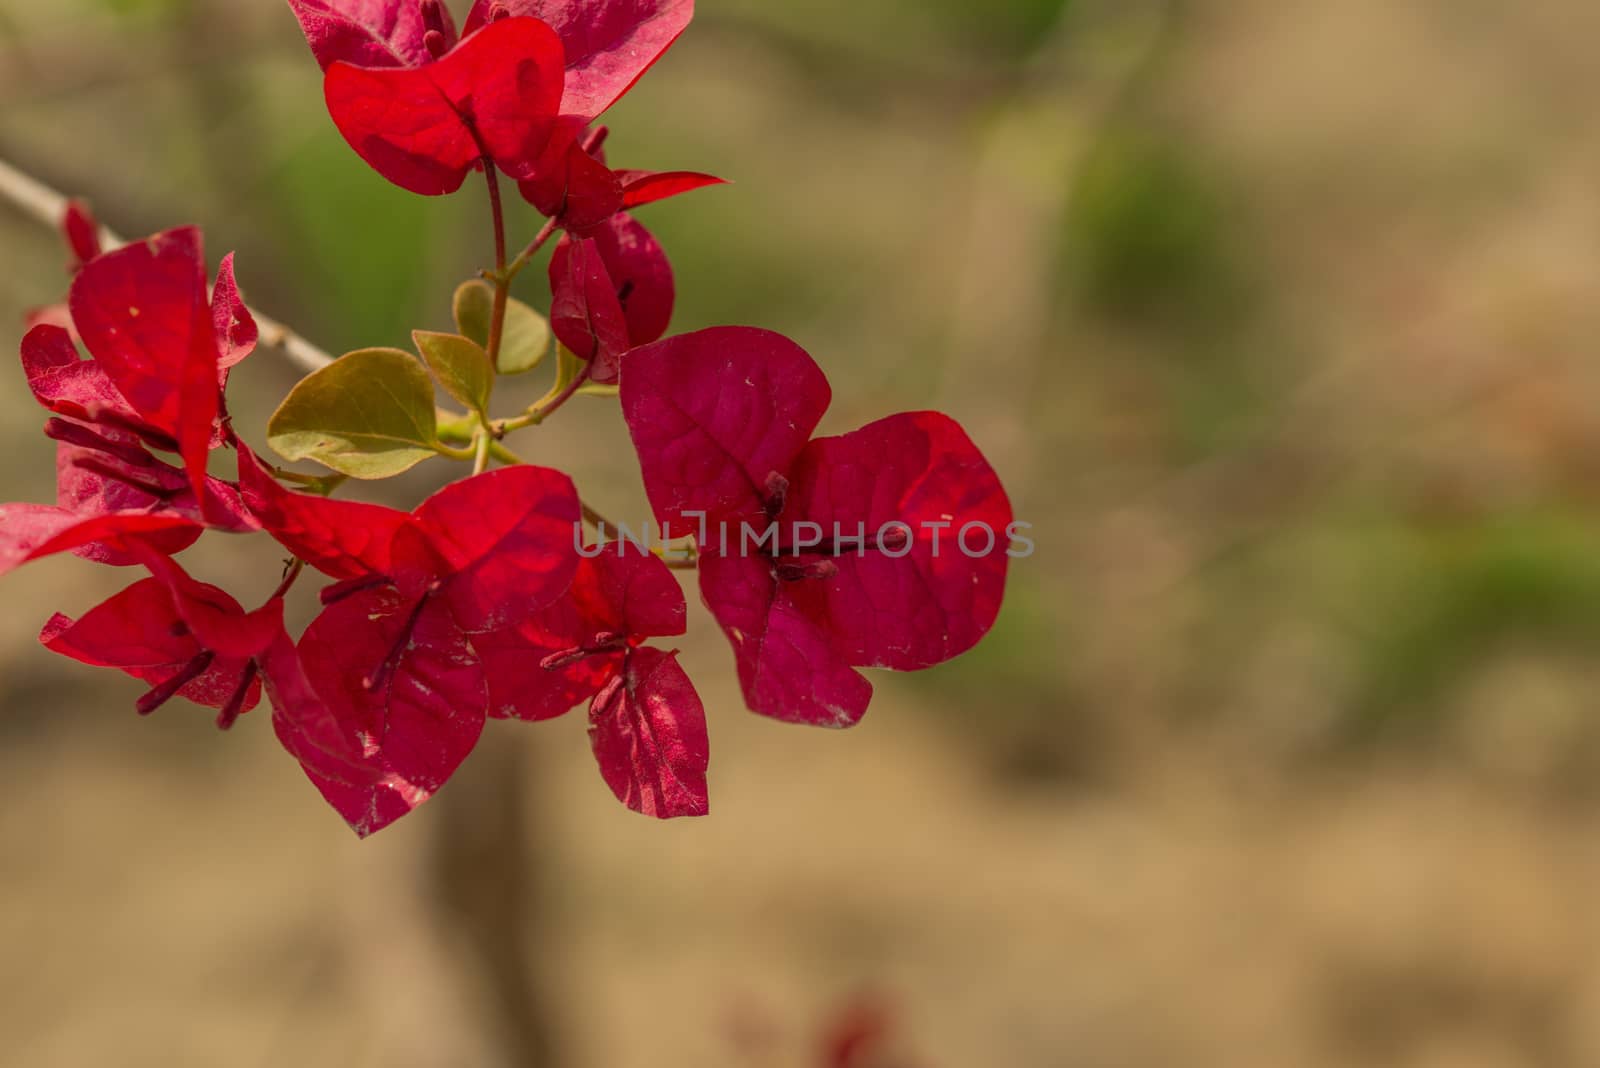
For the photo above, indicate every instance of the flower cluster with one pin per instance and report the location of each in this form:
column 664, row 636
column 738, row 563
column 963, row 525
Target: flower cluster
column 486, row 601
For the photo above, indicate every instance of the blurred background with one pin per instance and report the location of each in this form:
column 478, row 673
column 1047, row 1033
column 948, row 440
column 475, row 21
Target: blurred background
column 1278, row 319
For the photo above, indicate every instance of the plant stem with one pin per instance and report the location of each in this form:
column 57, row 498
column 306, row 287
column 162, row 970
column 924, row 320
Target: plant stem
column 546, row 409
column 502, row 280
column 289, row 576
column 462, row 455
column 532, row 250
column 480, row 459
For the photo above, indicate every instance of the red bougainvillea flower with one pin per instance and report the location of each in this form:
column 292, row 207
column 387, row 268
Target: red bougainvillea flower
column 574, row 187
column 611, row 284
column 161, row 343
column 154, row 334
column 885, row 547
column 375, row 33
column 586, row 311
column 82, row 233
column 424, row 125
column 33, row 531
column 646, row 722
column 392, row 658
column 100, row 471
column 183, row 637
column 608, row 44
column 611, row 292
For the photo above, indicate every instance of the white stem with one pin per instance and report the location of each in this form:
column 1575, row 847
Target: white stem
column 49, row 207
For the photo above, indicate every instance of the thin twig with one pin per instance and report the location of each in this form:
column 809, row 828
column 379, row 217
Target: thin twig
column 37, row 200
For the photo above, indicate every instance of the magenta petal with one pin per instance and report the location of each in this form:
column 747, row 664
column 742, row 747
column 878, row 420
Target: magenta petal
column 713, row 414
column 789, row 667
column 342, row 539
column 368, row 33
column 648, row 730
column 332, row 757
column 216, row 620
column 68, row 385
column 140, row 632
column 495, row 95
column 609, row 43
column 133, row 629
column 403, row 678
column 585, row 313
column 520, row 687
column 143, row 312
column 647, row 187
column 145, row 316
column 639, row 273
column 628, row 590
column 33, row 531
column 235, row 327
column 933, row 600
column 85, row 484
column 621, row 594
column 576, row 190
column 506, row 538
column 82, row 232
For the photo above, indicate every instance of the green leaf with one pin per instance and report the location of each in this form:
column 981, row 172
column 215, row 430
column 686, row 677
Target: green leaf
column 460, row 365
column 526, row 338
column 369, row 415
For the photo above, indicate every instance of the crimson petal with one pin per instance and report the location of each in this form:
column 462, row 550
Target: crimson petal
column 506, row 539
column 639, row 273
column 647, row 187
column 235, row 327
column 713, row 414
column 609, row 43
column 585, row 312
column 403, row 679
column 648, row 731
column 141, row 632
column 621, row 594
column 342, row 539
column 145, row 316
column 68, row 385
column 368, row 33
column 495, row 96
column 933, row 599
column 33, row 531
column 789, row 668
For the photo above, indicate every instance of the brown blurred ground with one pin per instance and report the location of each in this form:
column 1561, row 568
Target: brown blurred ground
column 1279, row 320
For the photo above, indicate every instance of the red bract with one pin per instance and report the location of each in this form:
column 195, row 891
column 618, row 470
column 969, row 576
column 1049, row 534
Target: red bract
column 494, row 97
column 647, row 725
column 638, row 273
column 158, row 344
column 400, row 677
column 372, row 33
column 647, row 187
column 185, row 638
column 609, row 44
column 100, row 471
column 392, row 659
column 647, row 728
column 156, row 335
column 574, row 187
column 82, row 233
column 33, row 531
column 865, row 563
column 585, row 309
